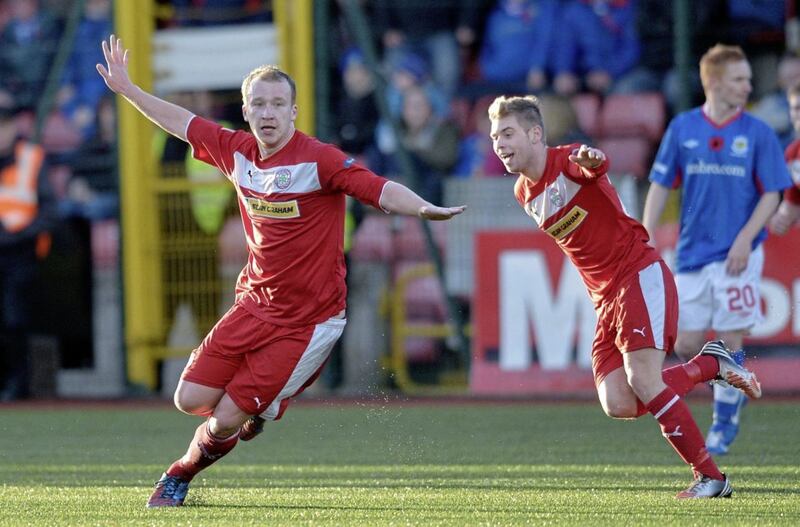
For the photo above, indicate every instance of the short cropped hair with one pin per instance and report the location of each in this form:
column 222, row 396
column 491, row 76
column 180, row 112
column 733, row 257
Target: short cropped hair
column 525, row 109
column 271, row 73
column 714, row 61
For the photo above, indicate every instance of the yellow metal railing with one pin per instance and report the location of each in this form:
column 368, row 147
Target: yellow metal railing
column 401, row 328
column 141, row 269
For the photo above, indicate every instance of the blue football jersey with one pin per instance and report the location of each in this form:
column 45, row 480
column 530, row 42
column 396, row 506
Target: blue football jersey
column 723, row 169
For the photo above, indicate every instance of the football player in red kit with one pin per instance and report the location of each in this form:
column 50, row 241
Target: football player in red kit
column 567, row 192
column 290, row 297
column 789, row 209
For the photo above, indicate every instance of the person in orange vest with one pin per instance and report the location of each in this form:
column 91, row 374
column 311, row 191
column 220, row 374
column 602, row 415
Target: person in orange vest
column 27, row 212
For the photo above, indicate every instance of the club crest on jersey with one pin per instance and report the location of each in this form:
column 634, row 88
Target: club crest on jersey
column 556, row 199
column 283, row 178
column 739, row 146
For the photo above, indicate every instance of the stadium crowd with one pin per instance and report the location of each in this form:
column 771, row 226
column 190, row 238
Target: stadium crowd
column 444, row 61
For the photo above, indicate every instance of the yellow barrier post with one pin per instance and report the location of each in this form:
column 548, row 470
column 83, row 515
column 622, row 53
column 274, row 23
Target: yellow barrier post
column 295, row 23
column 141, row 269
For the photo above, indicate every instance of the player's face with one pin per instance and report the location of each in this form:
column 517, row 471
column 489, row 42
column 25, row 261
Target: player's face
column 269, row 111
column 513, row 144
column 794, row 112
column 734, row 87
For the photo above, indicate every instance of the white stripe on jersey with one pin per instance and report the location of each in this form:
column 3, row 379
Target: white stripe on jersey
column 554, row 197
column 651, row 282
column 319, row 347
column 288, row 179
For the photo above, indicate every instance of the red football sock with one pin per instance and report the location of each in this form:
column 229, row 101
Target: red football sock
column 204, row 450
column 683, row 377
column 679, row 428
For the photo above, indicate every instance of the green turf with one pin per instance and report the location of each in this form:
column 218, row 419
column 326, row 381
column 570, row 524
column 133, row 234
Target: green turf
column 346, row 464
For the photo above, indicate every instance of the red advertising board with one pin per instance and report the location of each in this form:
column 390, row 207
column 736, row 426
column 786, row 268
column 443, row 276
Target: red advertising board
column 533, row 321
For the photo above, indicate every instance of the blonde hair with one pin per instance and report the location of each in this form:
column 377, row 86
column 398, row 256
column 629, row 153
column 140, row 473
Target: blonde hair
column 716, row 59
column 271, row 73
column 526, row 109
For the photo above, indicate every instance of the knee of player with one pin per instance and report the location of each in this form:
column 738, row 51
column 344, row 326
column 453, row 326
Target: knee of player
column 620, row 409
column 687, row 348
column 189, row 405
column 223, row 428
column 621, row 412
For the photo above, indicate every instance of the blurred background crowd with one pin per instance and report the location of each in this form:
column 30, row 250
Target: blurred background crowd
column 604, row 69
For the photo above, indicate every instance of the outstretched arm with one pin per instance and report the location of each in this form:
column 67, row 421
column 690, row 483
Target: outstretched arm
column 653, row 208
column 588, row 159
column 400, row 199
column 171, row 117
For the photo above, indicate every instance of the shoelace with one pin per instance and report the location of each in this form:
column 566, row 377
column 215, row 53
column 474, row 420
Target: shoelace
column 170, row 488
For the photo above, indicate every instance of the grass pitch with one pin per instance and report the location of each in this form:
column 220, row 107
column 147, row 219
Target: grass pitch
column 414, row 464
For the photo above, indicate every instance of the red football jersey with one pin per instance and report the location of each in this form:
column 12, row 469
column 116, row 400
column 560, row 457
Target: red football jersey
column 584, row 215
column 792, row 156
column 293, row 208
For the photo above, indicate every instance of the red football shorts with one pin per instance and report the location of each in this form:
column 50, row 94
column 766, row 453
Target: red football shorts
column 261, row 366
column 643, row 314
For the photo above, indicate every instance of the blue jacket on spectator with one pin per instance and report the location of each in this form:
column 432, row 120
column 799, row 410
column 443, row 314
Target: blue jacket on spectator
column 518, row 38
column 597, row 35
column 80, row 71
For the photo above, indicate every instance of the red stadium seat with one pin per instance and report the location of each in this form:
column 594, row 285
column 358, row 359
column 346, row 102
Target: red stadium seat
column 422, row 350
column 633, row 115
column 409, row 240
column 372, row 241
column 424, row 297
column 628, row 155
column 587, row 108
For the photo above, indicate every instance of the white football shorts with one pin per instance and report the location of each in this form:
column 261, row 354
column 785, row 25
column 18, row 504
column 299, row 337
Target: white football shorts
column 710, row 298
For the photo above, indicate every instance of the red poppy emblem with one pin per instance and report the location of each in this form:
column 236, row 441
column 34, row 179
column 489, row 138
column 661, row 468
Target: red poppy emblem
column 715, row 143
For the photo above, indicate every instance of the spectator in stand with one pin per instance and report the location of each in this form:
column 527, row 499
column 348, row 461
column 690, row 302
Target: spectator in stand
column 27, row 214
column 432, row 29
column 410, row 72
column 357, row 115
column 789, row 209
column 81, row 88
column 655, row 71
column 27, row 46
column 774, row 107
column 93, row 189
column 431, row 141
column 599, row 48
column 517, row 45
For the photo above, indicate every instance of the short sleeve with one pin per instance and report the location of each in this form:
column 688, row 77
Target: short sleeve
column 339, row 172
column 214, row 144
column 665, row 166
